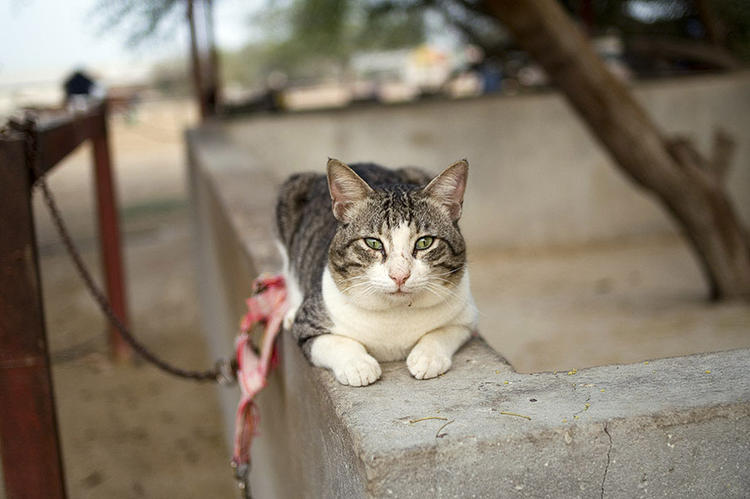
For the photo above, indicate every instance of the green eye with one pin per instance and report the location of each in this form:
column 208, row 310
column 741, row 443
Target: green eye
column 424, row 242
column 374, row 243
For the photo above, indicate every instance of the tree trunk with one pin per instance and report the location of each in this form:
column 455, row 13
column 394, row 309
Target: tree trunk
column 213, row 92
column 688, row 185
column 195, row 63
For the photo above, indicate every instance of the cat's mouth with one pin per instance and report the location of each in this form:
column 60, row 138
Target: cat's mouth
column 399, row 292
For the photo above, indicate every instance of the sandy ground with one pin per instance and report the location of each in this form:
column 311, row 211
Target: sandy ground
column 128, row 430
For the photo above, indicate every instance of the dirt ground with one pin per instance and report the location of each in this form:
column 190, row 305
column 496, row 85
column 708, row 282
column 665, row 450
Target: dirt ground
column 128, row 430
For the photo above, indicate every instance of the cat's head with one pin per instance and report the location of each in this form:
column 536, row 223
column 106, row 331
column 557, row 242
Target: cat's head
column 397, row 244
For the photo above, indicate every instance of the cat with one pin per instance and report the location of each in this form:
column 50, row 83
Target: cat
column 375, row 266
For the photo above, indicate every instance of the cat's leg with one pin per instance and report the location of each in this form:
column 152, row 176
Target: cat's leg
column 347, row 358
column 293, row 292
column 294, row 299
column 433, row 353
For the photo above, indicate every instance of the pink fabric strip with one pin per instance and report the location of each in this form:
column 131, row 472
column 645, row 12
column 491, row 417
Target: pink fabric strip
column 267, row 306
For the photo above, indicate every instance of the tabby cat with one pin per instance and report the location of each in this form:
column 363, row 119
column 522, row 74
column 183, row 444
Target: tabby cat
column 376, row 268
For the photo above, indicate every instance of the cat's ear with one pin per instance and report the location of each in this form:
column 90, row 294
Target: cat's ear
column 346, row 188
column 448, row 188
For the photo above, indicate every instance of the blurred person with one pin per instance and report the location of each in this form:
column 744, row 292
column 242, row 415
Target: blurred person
column 81, row 90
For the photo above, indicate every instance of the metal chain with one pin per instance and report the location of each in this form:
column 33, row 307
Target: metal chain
column 223, row 372
column 242, row 478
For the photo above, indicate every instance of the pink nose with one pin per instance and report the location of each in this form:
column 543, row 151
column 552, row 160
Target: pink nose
column 399, row 277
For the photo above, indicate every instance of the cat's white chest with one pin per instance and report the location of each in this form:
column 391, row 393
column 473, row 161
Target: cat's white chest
column 390, row 334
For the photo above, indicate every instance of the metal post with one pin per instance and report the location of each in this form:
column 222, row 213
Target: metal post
column 109, row 236
column 31, row 454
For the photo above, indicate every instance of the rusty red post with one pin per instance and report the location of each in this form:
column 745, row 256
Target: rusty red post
column 31, row 454
column 109, row 236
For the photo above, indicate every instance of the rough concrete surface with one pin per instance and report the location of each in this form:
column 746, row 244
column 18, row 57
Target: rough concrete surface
column 662, row 429
column 695, row 426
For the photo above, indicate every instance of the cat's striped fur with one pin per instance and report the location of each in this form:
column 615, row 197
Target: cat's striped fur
column 353, row 305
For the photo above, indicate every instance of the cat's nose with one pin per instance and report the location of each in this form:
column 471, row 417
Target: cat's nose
column 399, row 276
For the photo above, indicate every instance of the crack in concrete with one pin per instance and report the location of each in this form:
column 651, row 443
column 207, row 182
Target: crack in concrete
column 609, row 453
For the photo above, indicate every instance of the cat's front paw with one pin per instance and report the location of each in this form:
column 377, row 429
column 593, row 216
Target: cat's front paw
column 361, row 370
column 425, row 361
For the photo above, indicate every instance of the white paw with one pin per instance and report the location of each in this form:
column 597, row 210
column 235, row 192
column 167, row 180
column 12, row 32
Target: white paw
column 426, row 362
column 361, row 370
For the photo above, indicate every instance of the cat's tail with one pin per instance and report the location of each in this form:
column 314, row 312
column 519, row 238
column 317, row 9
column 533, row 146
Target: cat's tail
column 294, row 194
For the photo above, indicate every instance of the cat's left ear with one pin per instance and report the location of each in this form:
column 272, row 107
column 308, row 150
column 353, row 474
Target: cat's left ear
column 448, row 188
column 346, row 188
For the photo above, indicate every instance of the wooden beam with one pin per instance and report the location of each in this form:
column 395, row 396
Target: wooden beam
column 109, row 237
column 31, row 454
column 58, row 138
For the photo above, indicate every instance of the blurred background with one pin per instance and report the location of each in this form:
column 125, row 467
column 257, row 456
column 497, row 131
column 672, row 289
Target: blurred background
column 166, row 65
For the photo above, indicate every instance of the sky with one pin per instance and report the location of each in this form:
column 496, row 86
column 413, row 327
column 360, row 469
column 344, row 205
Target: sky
column 42, row 40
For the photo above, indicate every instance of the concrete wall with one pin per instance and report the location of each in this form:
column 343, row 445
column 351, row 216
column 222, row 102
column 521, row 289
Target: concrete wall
column 670, row 428
column 538, row 177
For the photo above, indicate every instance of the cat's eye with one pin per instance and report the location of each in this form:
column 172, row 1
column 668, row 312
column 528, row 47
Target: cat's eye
column 424, row 242
column 373, row 243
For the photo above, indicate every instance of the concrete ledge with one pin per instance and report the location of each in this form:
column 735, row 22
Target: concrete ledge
column 666, row 428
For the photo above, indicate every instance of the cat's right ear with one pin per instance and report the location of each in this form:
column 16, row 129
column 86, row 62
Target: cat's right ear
column 346, row 189
column 448, row 188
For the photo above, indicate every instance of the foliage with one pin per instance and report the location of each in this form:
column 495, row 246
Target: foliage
column 171, row 78
column 676, row 19
column 304, row 38
column 735, row 14
column 307, row 38
column 143, row 20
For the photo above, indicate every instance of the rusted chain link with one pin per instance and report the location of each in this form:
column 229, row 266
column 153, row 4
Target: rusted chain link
column 223, row 372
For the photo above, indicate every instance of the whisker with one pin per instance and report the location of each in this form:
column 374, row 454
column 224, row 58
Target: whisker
column 356, row 285
column 445, row 293
column 451, row 271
